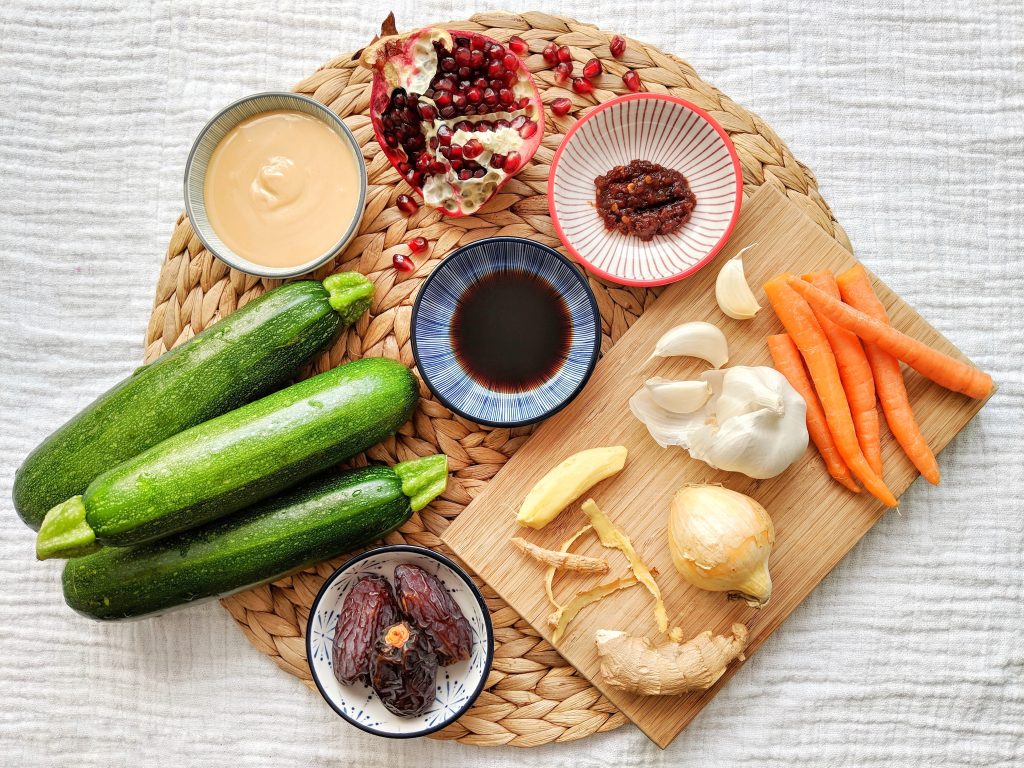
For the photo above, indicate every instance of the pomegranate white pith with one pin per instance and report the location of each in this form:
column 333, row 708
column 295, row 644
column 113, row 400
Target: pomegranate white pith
column 456, row 113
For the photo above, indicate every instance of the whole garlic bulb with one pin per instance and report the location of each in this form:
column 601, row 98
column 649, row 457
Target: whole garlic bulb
column 754, row 422
column 720, row 540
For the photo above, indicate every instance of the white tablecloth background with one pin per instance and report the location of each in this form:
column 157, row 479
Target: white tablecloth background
column 909, row 112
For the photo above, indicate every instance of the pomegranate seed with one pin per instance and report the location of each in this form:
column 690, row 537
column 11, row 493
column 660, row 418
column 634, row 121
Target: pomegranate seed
column 518, row 45
column 423, row 162
column 497, row 161
column 465, row 174
column 445, row 151
column 564, row 54
column 459, row 100
column 502, row 123
column 438, row 168
column 483, row 126
column 581, row 85
column 402, row 263
column 472, row 148
column 561, row 106
column 524, row 102
column 490, row 97
column 462, row 56
column 456, row 164
column 505, row 96
column 418, row 244
column 443, row 99
column 464, row 72
column 632, row 80
column 481, row 82
column 448, row 112
column 510, row 78
column 406, row 204
column 391, row 140
column 550, row 53
column 496, row 52
column 445, row 84
column 511, row 62
column 448, row 64
column 477, row 41
column 474, row 95
column 464, row 125
column 617, row 46
column 497, row 84
column 512, row 162
column 562, row 73
column 476, row 59
column 495, row 69
column 444, row 134
column 518, row 122
column 427, row 112
column 455, row 151
column 592, row 69
column 479, row 173
column 528, row 130
column 434, row 143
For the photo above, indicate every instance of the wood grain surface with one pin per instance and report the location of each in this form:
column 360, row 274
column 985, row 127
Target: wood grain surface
column 817, row 521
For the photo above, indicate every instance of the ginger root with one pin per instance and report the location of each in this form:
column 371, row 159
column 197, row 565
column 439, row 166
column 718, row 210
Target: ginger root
column 636, row 665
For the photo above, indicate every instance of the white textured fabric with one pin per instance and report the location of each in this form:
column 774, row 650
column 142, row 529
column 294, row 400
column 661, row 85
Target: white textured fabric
column 910, row 114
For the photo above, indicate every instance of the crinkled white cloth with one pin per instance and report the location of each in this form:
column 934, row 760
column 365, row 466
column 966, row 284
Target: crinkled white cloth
column 909, row 112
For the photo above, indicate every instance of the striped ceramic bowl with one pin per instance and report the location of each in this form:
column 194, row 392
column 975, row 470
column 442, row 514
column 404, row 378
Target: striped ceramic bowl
column 435, row 308
column 199, row 157
column 661, row 129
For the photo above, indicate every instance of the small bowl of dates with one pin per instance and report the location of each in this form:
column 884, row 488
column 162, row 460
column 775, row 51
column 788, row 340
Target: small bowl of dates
column 399, row 641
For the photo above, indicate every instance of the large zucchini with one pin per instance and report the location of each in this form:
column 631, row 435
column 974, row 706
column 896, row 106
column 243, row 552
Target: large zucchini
column 234, row 460
column 245, row 355
column 317, row 521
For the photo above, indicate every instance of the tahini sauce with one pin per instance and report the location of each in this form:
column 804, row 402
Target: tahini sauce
column 281, row 188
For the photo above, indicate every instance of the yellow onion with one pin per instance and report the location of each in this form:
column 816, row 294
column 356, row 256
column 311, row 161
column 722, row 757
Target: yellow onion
column 720, row 541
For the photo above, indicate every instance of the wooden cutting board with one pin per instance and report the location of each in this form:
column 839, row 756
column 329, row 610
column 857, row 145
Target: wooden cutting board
column 816, row 520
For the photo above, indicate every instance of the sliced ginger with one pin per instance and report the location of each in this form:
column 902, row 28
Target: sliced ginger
column 566, row 482
column 614, row 538
column 549, row 574
column 569, row 561
column 560, row 619
column 670, row 668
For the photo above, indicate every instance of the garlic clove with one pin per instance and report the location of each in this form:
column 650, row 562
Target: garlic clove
column 678, row 396
column 732, row 290
column 696, row 339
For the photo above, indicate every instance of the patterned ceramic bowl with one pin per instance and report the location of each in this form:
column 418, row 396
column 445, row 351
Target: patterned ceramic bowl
column 661, row 129
column 434, row 316
column 199, row 157
column 458, row 685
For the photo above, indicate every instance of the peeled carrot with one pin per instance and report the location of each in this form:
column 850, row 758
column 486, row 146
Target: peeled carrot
column 789, row 364
column 855, row 374
column 803, row 327
column 856, row 290
column 939, row 367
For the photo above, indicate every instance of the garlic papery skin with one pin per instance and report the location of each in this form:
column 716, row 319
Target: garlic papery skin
column 720, row 540
column 696, row 339
column 754, row 422
column 678, row 396
column 732, row 291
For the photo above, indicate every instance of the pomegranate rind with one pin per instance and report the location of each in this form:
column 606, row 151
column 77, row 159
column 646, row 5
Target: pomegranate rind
column 393, row 62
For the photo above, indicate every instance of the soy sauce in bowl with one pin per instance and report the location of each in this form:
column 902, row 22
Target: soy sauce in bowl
column 505, row 331
column 511, row 330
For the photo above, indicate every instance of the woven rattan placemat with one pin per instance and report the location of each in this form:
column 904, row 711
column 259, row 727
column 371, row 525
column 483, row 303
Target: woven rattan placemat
column 532, row 696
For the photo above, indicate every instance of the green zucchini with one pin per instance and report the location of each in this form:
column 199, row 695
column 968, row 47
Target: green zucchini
column 316, row 521
column 247, row 354
column 234, row 460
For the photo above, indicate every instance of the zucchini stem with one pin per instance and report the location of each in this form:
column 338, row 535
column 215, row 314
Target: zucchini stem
column 65, row 532
column 423, row 480
column 350, row 295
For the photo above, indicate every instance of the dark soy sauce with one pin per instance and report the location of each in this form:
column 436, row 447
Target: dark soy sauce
column 511, row 331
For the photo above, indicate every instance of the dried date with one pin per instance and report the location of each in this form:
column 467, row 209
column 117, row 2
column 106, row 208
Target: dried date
column 369, row 608
column 404, row 670
column 424, row 599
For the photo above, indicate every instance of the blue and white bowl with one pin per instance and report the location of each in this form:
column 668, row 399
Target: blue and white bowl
column 432, row 322
column 458, row 685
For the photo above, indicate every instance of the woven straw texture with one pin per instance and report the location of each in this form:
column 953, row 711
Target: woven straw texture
column 532, row 696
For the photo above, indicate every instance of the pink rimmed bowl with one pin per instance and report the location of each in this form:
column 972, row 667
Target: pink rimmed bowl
column 661, row 129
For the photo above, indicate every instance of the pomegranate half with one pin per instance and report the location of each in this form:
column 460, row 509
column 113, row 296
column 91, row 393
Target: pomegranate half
column 456, row 113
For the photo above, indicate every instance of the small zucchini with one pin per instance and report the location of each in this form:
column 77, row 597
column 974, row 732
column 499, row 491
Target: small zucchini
column 316, row 521
column 234, row 460
column 247, row 354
